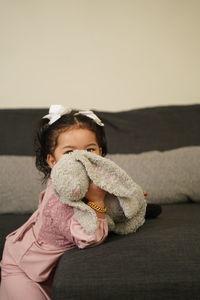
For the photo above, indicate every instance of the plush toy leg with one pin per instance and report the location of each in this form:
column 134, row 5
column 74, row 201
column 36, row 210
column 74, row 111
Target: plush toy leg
column 153, row 211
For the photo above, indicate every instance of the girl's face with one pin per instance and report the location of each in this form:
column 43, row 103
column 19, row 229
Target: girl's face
column 74, row 139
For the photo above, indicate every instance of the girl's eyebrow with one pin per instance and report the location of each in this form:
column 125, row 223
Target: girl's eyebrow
column 72, row 147
column 68, row 147
column 92, row 144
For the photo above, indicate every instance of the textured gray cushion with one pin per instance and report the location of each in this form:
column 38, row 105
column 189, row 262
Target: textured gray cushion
column 170, row 177
column 20, row 184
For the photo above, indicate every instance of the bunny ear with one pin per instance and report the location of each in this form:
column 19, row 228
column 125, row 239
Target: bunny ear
column 69, row 179
column 70, row 182
column 111, row 178
column 108, row 175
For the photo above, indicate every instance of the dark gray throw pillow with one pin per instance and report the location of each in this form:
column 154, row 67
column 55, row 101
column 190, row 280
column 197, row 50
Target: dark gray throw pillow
column 169, row 177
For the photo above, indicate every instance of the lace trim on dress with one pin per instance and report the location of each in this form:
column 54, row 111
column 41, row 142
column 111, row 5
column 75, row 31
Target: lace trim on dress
column 55, row 229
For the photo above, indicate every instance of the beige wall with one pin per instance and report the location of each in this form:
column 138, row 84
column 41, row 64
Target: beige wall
column 101, row 54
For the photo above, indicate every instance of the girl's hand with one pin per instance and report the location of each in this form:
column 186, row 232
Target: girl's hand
column 95, row 194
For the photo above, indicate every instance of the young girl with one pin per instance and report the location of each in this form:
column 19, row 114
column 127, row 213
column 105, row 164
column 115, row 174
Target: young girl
column 33, row 250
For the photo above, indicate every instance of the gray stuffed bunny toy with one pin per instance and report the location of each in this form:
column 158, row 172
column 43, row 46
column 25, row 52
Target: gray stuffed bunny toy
column 124, row 201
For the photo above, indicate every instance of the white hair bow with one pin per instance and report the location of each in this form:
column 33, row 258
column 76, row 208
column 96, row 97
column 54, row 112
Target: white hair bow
column 91, row 115
column 55, row 112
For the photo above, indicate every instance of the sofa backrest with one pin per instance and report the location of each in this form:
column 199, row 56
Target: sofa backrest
column 133, row 131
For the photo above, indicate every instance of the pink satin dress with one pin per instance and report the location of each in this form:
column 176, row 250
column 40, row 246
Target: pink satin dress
column 33, row 250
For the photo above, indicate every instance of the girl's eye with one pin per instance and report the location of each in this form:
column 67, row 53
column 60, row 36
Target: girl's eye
column 69, row 151
column 90, row 149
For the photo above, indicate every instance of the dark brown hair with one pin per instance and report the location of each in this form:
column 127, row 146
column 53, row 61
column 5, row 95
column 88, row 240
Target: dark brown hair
column 46, row 137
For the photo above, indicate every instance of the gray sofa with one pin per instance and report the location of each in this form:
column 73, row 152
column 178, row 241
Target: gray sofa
column 160, row 148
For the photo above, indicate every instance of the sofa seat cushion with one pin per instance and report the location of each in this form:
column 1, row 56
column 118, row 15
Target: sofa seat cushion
column 160, row 261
